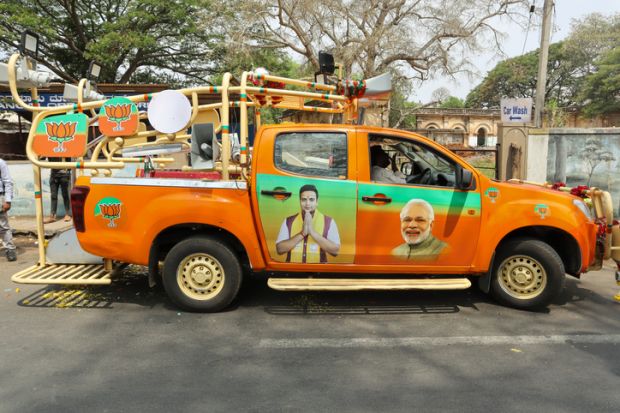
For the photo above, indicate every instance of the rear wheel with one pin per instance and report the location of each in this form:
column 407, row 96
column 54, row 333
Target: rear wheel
column 202, row 274
column 527, row 274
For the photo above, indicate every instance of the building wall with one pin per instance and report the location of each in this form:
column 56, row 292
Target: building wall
column 479, row 127
column 579, row 156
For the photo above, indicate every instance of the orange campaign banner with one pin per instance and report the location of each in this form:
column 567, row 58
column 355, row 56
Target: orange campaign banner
column 118, row 117
column 62, row 136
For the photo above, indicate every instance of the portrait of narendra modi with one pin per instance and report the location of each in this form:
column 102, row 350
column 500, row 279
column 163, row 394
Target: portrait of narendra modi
column 416, row 226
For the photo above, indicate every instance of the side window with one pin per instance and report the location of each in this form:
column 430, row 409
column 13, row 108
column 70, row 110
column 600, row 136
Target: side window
column 409, row 162
column 312, row 154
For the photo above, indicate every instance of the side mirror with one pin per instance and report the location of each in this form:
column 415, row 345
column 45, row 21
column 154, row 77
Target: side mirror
column 464, row 178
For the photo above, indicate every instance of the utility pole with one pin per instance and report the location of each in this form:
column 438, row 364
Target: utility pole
column 543, row 58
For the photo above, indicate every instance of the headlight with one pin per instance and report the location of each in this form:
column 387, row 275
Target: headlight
column 583, row 208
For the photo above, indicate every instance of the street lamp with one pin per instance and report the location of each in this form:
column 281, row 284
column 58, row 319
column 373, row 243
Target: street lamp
column 29, row 44
column 72, row 92
column 94, row 70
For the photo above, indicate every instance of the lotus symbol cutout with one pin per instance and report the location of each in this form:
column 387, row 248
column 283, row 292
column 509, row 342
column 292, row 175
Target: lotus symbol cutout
column 60, row 133
column 111, row 212
column 118, row 113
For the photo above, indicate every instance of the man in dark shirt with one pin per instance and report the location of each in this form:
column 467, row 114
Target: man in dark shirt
column 59, row 179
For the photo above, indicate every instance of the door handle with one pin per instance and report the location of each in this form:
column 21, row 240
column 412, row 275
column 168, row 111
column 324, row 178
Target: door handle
column 284, row 194
column 383, row 199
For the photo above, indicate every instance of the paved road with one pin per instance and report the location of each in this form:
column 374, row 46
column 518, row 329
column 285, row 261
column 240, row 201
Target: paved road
column 125, row 348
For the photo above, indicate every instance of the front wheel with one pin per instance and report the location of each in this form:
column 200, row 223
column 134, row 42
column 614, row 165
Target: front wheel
column 527, row 274
column 202, row 274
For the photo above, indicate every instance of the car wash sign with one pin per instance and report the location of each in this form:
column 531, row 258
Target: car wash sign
column 516, row 110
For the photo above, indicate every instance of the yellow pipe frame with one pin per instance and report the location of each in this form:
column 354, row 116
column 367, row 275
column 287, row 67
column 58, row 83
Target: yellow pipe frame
column 225, row 126
column 243, row 109
column 13, row 86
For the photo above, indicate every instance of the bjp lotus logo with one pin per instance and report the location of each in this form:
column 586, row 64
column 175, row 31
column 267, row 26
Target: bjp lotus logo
column 118, row 114
column 109, row 208
column 60, row 133
column 492, row 193
column 118, row 117
column 542, row 210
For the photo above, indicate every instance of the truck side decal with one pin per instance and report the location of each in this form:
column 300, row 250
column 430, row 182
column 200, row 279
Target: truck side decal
column 109, row 208
column 314, row 222
column 543, row 210
column 492, row 193
column 416, row 225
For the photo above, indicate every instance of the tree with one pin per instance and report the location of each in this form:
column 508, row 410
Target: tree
column 452, row 102
column 402, row 112
column 129, row 38
column 415, row 38
column 516, row 78
column 570, row 62
column 440, row 94
column 593, row 154
column 601, row 90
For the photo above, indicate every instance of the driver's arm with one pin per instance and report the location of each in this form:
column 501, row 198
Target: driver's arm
column 390, row 177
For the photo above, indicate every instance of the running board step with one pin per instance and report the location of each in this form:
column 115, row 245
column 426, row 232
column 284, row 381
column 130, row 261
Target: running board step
column 64, row 274
column 353, row 284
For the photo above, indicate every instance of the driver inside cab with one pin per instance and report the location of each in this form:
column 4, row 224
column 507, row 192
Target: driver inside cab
column 379, row 172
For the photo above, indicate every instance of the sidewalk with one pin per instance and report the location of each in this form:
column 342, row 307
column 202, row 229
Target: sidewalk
column 27, row 225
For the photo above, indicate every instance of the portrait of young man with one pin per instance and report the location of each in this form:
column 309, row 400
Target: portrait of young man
column 308, row 236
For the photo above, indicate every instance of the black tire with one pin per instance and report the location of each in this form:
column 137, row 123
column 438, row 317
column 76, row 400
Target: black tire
column 527, row 274
column 202, row 274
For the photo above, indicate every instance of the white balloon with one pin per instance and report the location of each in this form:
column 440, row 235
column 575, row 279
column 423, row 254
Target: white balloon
column 169, row 111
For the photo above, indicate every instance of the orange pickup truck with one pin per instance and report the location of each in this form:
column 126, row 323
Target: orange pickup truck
column 393, row 208
column 356, row 207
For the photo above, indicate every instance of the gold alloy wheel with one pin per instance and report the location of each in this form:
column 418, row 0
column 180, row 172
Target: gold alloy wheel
column 522, row 277
column 200, row 276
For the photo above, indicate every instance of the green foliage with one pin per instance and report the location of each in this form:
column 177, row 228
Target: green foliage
column 556, row 116
column 401, row 111
column 570, row 64
column 129, row 38
column 276, row 61
column 516, row 78
column 601, row 90
column 452, row 102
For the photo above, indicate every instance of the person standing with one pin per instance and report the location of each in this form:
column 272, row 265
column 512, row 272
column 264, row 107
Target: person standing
column 6, row 197
column 59, row 179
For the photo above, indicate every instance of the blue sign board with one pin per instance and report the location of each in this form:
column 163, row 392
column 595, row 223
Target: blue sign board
column 46, row 100
column 516, row 110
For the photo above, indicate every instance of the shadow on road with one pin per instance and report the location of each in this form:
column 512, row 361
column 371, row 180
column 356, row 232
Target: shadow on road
column 132, row 288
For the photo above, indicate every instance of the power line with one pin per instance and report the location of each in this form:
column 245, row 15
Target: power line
column 527, row 31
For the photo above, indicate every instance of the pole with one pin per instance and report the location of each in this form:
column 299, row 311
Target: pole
column 543, row 58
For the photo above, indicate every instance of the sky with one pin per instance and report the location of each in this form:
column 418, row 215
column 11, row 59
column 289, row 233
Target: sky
column 565, row 11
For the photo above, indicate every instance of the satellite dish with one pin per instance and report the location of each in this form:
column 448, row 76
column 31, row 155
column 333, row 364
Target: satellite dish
column 169, row 111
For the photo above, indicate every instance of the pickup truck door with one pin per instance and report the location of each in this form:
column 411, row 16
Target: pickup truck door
column 417, row 218
column 306, row 197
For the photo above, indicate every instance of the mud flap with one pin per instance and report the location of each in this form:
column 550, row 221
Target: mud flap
column 484, row 282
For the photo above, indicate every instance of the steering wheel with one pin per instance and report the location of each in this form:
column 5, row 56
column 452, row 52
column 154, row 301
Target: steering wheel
column 423, row 177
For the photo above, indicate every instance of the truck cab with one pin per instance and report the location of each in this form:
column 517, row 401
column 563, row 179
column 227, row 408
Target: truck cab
column 392, row 207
